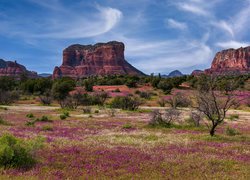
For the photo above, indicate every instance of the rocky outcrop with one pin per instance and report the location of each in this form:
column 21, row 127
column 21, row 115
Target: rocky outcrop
column 10, row 68
column 231, row 61
column 197, row 72
column 99, row 59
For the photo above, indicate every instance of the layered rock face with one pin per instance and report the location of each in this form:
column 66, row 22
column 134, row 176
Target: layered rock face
column 231, row 61
column 99, row 59
column 10, row 68
column 197, row 72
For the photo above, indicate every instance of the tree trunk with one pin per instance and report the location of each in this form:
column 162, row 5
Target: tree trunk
column 212, row 131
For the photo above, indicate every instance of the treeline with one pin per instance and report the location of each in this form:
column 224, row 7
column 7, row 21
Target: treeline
column 47, row 89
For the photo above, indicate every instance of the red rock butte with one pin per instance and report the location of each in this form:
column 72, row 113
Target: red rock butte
column 10, row 68
column 91, row 60
column 231, row 61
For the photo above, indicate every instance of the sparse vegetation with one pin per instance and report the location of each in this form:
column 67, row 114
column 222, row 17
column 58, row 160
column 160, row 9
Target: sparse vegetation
column 131, row 103
column 17, row 153
column 231, row 131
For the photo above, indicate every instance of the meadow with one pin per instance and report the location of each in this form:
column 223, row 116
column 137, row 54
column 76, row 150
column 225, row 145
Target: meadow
column 98, row 146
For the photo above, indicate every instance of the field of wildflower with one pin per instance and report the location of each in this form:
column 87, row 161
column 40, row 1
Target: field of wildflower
column 121, row 145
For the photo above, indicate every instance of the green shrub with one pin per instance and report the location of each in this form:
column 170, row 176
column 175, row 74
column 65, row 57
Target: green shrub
column 3, row 122
column 63, row 116
column 66, row 113
column 30, row 123
column 131, row 103
column 30, row 115
column 47, row 128
column 231, row 131
column 127, row 126
column 233, row 117
column 44, row 119
column 17, row 153
column 96, row 111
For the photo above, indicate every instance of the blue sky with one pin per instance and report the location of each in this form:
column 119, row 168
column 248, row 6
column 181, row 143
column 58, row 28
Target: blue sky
column 160, row 35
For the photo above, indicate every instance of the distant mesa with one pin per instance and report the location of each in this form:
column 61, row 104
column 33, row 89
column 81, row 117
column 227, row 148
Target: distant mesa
column 231, row 61
column 12, row 68
column 45, row 75
column 175, row 73
column 99, row 59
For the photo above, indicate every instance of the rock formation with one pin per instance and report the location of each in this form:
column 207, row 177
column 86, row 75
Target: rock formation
column 231, row 61
column 99, row 59
column 10, row 68
column 197, row 72
column 175, row 73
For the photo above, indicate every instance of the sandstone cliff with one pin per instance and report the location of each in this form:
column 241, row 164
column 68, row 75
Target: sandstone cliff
column 231, row 61
column 10, row 68
column 99, row 59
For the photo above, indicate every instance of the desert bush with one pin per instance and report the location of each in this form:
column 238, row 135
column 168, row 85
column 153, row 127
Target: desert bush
column 127, row 126
column 111, row 112
column 8, row 97
column 66, row 113
column 164, row 119
column 62, row 117
column 162, row 102
column 44, row 119
column 86, row 110
column 47, row 128
column 98, row 98
column 196, row 118
column 96, row 111
column 17, row 153
column 231, row 131
column 46, row 98
column 178, row 100
column 234, row 117
column 144, row 94
column 30, row 123
column 131, row 103
column 30, row 115
column 4, row 122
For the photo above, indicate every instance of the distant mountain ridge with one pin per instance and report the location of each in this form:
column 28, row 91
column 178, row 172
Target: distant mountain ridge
column 12, row 68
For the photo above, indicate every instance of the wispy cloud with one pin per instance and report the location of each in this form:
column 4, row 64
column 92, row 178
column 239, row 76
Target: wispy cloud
column 193, row 8
column 80, row 27
column 241, row 21
column 232, row 44
column 171, row 23
column 66, row 25
column 224, row 26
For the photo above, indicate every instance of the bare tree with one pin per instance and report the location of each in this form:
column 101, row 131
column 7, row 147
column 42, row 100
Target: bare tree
column 178, row 100
column 214, row 102
column 164, row 118
column 196, row 118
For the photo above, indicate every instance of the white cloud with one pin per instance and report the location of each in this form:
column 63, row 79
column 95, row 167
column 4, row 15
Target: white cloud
column 193, row 8
column 171, row 23
column 232, row 44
